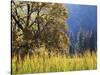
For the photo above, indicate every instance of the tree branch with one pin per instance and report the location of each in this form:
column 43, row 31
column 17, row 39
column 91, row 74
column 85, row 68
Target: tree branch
column 19, row 25
column 28, row 14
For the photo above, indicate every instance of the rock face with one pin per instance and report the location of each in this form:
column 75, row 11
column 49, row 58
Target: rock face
column 81, row 17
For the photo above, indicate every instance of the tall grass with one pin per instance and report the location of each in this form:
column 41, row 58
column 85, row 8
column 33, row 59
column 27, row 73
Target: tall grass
column 54, row 63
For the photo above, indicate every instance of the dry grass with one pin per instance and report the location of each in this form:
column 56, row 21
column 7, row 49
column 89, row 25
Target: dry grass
column 44, row 63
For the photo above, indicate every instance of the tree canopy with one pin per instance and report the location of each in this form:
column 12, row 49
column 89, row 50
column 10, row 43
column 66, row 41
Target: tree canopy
column 38, row 23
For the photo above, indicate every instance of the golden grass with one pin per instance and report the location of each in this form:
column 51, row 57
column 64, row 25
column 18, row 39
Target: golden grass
column 44, row 63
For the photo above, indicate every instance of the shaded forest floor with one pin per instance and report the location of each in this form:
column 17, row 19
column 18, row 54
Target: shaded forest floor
column 54, row 63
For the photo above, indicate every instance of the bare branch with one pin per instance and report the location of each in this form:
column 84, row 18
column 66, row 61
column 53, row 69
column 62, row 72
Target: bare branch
column 18, row 23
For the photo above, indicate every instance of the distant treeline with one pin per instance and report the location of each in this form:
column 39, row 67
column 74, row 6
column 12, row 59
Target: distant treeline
column 83, row 40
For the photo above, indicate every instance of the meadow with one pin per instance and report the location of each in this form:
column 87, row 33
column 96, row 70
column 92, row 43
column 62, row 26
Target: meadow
column 45, row 37
column 54, row 63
